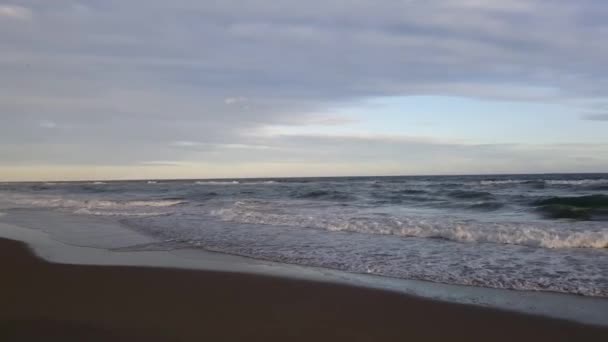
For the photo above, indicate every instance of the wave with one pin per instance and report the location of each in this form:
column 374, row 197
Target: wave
column 407, row 196
column 86, row 211
column 234, row 182
column 152, row 203
column 72, row 203
column 463, row 194
column 578, row 181
column 591, row 201
column 592, row 207
column 487, row 265
column 534, row 234
column 588, row 202
column 201, row 196
column 106, row 204
column 39, row 187
column 93, row 188
column 503, row 182
column 541, row 183
column 568, row 212
column 411, row 192
column 128, row 208
column 487, row 206
column 323, row 195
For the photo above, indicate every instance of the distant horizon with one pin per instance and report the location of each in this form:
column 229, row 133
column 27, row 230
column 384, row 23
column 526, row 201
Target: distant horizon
column 312, row 177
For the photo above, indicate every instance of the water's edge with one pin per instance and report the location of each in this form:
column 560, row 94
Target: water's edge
column 587, row 310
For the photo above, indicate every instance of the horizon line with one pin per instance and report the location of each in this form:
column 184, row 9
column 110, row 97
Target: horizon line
column 308, row 177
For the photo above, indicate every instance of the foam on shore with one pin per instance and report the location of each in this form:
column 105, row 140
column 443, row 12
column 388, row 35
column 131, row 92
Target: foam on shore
column 54, row 248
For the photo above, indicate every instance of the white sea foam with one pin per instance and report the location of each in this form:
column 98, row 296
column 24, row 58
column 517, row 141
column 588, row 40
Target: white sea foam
column 578, row 182
column 549, row 182
column 99, row 183
column 159, row 203
column 93, row 206
column 502, row 182
column 534, row 234
column 86, row 211
column 419, row 243
column 580, row 271
column 234, row 182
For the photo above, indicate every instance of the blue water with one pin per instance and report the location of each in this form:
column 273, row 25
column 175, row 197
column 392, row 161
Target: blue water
column 527, row 232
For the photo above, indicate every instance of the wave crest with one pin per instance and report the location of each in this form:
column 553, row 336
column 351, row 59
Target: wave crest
column 463, row 194
column 323, row 195
column 536, row 234
column 97, row 206
column 593, row 207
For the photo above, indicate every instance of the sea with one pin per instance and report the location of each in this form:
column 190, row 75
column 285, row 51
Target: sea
column 521, row 232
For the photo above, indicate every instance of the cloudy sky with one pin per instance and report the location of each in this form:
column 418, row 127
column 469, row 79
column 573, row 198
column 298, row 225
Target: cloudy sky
column 201, row 88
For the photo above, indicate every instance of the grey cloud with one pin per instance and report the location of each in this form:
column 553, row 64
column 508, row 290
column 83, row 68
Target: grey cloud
column 596, row 117
column 15, row 12
column 411, row 154
column 141, row 74
column 364, row 48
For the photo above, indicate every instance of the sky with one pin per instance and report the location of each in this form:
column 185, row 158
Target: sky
column 140, row 89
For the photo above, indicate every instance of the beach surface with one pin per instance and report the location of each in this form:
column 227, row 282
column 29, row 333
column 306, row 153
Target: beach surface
column 57, row 302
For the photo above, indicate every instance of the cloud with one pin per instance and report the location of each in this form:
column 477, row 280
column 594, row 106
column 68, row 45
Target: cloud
column 201, row 146
column 162, row 163
column 15, row 12
column 331, row 121
column 183, row 143
column 211, row 76
column 316, row 155
column 47, row 124
column 596, row 117
column 234, row 100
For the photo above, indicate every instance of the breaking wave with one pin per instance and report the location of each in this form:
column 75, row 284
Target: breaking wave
column 98, row 206
column 591, row 201
column 592, row 207
column 534, row 234
column 578, row 182
column 323, row 195
column 461, row 194
column 234, row 182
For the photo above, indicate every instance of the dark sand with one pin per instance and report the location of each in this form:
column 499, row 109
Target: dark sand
column 40, row 301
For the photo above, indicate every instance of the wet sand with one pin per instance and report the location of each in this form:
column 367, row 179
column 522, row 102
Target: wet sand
column 56, row 302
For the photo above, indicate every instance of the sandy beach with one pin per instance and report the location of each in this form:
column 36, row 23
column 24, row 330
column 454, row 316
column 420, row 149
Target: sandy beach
column 56, row 302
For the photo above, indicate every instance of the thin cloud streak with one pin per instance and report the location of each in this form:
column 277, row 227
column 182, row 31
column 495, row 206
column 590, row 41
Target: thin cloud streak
column 596, row 117
column 15, row 12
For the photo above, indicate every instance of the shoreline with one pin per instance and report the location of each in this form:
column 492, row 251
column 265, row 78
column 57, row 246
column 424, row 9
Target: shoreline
column 50, row 301
column 52, row 248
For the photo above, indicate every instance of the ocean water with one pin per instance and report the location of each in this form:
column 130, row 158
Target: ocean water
column 522, row 232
